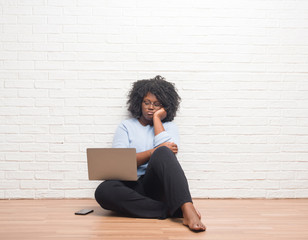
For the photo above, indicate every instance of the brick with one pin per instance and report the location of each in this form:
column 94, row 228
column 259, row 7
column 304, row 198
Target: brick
column 61, row 56
column 63, row 148
column 20, row 156
column 19, row 194
column 75, row 157
column 280, row 194
column 14, row 28
column 76, row 84
column 49, row 175
column 17, row 10
column 34, row 147
column 64, row 185
column 19, row 138
column 301, row 193
column 31, row 38
column 54, row 194
column 8, row 56
column 32, row 19
column 89, row 184
column 9, row 129
column 19, row 175
column 61, row 20
column 46, row 10
column 9, row 147
column 48, row 65
column 64, row 129
column 63, row 167
column 9, row 184
column 64, row 111
column 29, row 166
column 49, row 157
column 63, row 93
column 33, row 111
column 76, row 175
column 62, row 3
column 48, row 120
column 49, row 138
column 32, row 56
column 14, row 65
column 84, row 10
column 8, row 20
column 63, row 75
column 62, row 38
column 31, row 93
column 79, row 120
column 84, row 193
column 49, row 102
column 109, row 66
column 9, row 166
column 34, row 184
column 50, row 47
column 19, row 102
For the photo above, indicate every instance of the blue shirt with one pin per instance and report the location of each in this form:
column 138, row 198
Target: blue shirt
column 132, row 134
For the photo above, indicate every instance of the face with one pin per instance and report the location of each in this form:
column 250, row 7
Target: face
column 150, row 105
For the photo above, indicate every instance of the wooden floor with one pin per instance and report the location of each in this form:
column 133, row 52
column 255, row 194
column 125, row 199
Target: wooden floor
column 225, row 219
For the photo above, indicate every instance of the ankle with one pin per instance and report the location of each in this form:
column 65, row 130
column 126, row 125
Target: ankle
column 188, row 206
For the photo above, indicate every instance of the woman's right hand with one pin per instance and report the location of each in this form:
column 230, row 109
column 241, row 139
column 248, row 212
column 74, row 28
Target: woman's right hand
column 172, row 146
column 161, row 114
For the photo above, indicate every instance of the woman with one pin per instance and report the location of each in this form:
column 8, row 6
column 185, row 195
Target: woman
column 162, row 189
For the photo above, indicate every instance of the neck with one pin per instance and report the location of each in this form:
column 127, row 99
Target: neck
column 144, row 121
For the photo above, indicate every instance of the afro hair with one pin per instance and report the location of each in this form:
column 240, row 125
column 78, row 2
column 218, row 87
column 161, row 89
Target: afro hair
column 164, row 91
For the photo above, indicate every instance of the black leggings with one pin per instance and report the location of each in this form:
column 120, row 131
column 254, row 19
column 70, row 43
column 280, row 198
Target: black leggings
column 158, row 194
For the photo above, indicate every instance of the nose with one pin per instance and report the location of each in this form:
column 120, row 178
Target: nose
column 151, row 106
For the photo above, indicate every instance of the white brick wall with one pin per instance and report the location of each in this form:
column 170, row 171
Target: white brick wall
column 241, row 68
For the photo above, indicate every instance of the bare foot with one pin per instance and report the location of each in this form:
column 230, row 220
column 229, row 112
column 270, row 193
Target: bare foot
column 192, row 217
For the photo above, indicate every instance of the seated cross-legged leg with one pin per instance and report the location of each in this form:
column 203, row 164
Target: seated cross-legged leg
column 125, row 197
column 165, row 169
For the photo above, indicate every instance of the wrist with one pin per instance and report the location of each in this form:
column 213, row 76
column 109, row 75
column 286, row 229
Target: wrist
column 156, row 117
column 152, row 151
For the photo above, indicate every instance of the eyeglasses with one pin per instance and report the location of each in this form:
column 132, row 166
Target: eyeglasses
column 154, row 104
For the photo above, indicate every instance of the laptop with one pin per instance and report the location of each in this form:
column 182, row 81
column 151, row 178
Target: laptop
column 112, row 164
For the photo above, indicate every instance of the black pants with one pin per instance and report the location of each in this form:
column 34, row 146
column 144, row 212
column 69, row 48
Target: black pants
column 157, row 194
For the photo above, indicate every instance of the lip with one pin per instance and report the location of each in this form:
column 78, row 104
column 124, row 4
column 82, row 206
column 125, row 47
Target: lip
column 150, row 113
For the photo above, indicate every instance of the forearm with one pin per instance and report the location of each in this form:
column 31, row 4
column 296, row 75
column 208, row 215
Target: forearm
column 144, row 157
column 158, row 125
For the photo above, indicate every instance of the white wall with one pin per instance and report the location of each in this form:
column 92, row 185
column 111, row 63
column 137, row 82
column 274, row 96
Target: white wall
column 241, row 68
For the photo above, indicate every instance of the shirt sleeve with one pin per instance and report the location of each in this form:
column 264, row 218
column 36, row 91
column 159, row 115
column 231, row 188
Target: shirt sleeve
column 171, row 134
column 120, row 139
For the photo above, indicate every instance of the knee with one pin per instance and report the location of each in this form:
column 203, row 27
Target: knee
column 103, row 193
column 162, row 151
column 163, row 154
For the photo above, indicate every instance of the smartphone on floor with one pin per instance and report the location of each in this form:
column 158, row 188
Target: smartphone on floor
column 83, row 211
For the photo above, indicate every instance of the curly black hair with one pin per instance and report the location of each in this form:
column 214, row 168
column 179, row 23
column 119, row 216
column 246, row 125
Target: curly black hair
column 164, row 91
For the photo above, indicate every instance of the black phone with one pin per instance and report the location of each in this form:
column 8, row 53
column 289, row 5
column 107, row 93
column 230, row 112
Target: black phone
column 83, row 211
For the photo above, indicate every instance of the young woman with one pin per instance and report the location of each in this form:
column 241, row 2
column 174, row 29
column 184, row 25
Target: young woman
column 162, row 189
